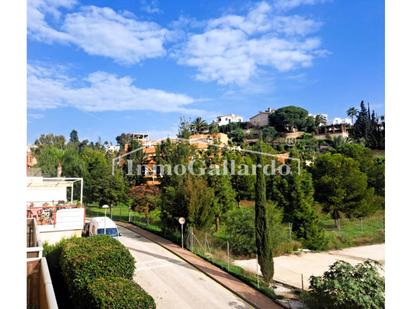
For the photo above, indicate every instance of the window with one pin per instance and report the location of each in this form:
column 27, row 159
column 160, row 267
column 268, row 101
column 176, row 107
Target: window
column 112, row 231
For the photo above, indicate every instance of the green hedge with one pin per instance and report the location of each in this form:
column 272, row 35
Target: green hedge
column 117, row 293
column 52, row 253
column 92, row 257
column 83, row 260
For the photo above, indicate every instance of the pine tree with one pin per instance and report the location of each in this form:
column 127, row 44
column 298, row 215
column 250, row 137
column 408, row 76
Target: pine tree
column 368, row 128
column 294, row 194
column 263, row 237
column 224, row 196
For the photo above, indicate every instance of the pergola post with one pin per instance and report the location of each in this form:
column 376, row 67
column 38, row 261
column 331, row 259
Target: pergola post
column 71, row 194
column 81, row 191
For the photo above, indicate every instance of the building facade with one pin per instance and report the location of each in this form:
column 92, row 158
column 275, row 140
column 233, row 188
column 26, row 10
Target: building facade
column 226, row 119
column 262, row 118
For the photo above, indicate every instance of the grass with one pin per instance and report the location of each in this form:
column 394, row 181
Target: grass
column 356, row 232
column 241, row 274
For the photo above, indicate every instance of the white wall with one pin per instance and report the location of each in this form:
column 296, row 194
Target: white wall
column 46, row 194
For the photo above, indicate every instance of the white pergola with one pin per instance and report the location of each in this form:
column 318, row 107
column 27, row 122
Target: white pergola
column 56, row 182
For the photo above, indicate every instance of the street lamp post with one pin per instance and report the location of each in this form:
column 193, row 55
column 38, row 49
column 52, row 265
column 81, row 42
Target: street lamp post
column 105, row 209
column 182, row 222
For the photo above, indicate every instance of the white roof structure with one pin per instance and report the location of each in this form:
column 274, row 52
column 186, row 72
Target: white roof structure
column 42, row 189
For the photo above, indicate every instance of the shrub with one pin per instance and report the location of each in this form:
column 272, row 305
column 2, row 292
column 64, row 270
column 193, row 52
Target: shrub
column 52, row 253
column 117, row 293
column 345, row 286
column 85, row 259
column 240, row 230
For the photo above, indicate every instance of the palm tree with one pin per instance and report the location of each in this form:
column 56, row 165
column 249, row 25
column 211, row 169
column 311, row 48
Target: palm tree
column 199, row 125
column 320, row 120
column 339, row 141
column 352, row 112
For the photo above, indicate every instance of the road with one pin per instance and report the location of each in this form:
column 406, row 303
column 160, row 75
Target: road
column 171, row 281
column 290, row 268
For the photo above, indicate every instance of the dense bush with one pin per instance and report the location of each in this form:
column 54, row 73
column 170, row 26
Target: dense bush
column 117, row 293
column 83, row 260
column 345, row 286
column 240, row 231
column 52, row 253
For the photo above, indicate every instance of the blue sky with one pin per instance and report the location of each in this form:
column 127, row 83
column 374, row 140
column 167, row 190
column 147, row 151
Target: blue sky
column 107, row 67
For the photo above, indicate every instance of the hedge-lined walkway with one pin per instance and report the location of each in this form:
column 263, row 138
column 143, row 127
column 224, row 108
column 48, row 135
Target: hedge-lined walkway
column 244, row 291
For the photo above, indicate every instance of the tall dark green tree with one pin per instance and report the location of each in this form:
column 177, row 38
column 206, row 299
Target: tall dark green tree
column 294, row 193
column 224, row 196
column 289, row 118
column 368, row 128
column 361, row 126
column 263, row 237
column 341, row 187
column 74, row 137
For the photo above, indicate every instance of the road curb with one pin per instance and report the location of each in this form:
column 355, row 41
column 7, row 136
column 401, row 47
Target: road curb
column 243, row 297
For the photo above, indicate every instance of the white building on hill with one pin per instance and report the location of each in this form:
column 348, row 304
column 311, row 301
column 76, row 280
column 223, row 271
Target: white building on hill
column 226, row 119
column 338, row 120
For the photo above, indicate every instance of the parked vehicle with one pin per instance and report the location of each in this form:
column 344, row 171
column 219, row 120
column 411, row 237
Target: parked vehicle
column 102, row 226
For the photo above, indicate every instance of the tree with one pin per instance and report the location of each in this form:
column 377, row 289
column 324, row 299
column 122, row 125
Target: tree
column 339, row 141
column 224, row 196
column 263, row 237
column 112, row 190
column 96, row 176
column 361, row 125
column 213, row 128
column 345, row 286
column 243, row 185
column 294, row 194
column 241, row 233
column 368, row 128
column 144, row 198
column 373, row 167
column 341, row 187
column 49, row 156
column 50, row 140
column 352, row 112
column 199, row 126
column 74, row 138
column 237, row 136
column 198, row 199
column 289, row 118
column 320, row 120
column 188, row 197
column 184, row 130
column 268, row 134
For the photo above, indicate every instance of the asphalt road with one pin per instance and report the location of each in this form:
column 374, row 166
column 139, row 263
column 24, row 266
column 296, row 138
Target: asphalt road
column 171, row 281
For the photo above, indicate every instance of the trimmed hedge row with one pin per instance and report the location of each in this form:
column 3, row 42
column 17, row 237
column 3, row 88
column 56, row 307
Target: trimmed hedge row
column 117, row 293
column 98, row 271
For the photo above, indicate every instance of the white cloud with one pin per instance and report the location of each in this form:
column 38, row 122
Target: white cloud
column 98, row 31
column 291, row 4
column 150, row 6
column 232, row 48
column 100, row 91
column 38, row 28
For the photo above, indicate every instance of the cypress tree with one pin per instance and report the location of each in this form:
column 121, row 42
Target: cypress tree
column 263, row 237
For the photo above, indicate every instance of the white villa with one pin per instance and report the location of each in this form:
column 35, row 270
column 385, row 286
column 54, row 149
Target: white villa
column 226, row 119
